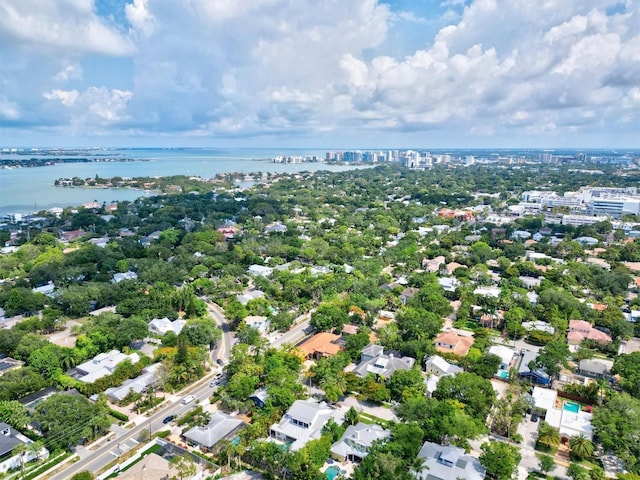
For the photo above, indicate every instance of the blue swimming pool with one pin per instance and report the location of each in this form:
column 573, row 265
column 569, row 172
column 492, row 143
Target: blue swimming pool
column 571, row 407
column 503, row 374
column 332, row 472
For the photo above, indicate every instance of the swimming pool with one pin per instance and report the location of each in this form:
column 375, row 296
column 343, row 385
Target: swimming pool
column 571, row 407
column 503, row 374
column 332, row 472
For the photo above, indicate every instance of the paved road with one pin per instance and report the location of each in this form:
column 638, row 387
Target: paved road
column 107, row 453
column 223, row 349
column 294, row 335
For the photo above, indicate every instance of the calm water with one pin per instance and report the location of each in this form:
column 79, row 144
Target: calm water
column 26, row 190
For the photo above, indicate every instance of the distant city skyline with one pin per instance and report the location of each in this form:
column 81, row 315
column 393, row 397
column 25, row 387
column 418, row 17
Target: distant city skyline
column 316, row 74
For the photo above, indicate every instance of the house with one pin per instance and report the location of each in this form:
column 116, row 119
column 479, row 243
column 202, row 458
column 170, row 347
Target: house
column 319, row 270
column 453, row 342
column 520, row 235
column 538, row 325
column 449, row 284
column 152, row 467
column 438, row 366
column 580, row 330
column 260, row 271
column 72, row 235
column 531, row 282
column 323, row 344
column 47, row 289
column 140, row 384
column 493, row 292
column 228, row 232
column 258, row 322
column 381, row 365
column 119, row 277
column 544, row 399
column 8, row 363
column 248, row 295
column 356, row 442
column 160, row 326
column 407, row 294
column 535, row 375
column 259, row 397
column 9, row 439
column 506, row 355
column 587, row 241
column 102, row 365
column 433, row 265
column 221, row 426
column 569, row 422
column 149, row 239
column 595, row 368
column 275, row 228
column 448, row 463
column 303, row 422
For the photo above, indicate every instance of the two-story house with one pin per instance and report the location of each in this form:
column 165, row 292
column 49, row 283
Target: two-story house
column 356, row 442
column 304, row 422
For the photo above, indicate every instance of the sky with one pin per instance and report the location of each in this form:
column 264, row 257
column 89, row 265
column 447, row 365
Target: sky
column 320, row 73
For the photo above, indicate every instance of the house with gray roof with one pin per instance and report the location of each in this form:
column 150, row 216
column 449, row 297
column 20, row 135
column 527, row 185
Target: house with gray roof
column 448, row 463
column 356, row 442
column 9, row 439
column 140, row 384
column 535, row 375
column 304, row 422
column 381, row 365
column 102, row 365
column 438, row 366
column 595, row 368
column 119, row 277
column 221, row 426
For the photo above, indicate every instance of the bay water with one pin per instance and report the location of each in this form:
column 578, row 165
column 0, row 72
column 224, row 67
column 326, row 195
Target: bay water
column 27, row 190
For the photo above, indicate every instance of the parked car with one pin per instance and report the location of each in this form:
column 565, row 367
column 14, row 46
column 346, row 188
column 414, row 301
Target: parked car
column 188, row 399
column 534, row 417
column 168, row 419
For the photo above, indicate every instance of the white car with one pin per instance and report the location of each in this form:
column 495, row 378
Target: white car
column 188, row 399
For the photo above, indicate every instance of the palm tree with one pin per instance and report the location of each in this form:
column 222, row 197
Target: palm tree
column 581, row 446
column 34, row 449
column 334, row 387
column 547, row 435
column 20, row 449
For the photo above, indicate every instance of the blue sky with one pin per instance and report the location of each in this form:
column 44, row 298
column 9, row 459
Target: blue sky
column 320, row 73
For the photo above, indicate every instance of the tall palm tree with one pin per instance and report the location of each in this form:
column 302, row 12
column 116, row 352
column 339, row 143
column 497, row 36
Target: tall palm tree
column 34, row 449
column 20, row 449
column 547, row 435
column 581, row 446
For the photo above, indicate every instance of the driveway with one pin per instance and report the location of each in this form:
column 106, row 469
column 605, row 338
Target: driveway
column 370, row 408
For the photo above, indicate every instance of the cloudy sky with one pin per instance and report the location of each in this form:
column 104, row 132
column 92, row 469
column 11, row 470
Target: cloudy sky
column 320, row 73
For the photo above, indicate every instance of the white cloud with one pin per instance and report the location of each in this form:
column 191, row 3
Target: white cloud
column 69, row 25
column 504, row 69
column 93, row 106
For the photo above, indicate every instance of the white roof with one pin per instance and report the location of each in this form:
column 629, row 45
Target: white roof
column 506, row 354
column 103, row 364
column 545, row 398
column 570, row 424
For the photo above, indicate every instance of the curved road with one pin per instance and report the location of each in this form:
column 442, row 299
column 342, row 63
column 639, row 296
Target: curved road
column 106, row 453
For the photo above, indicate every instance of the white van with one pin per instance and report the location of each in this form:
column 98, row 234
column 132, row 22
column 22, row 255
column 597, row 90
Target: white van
column 188, row 399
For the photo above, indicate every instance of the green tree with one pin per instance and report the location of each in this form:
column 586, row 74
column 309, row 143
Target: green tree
column 546, row 463
column 475, row 392
column 183, row 465
column 500, row 459
column 66, row 420
column 548, row 435
column 581, row 447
